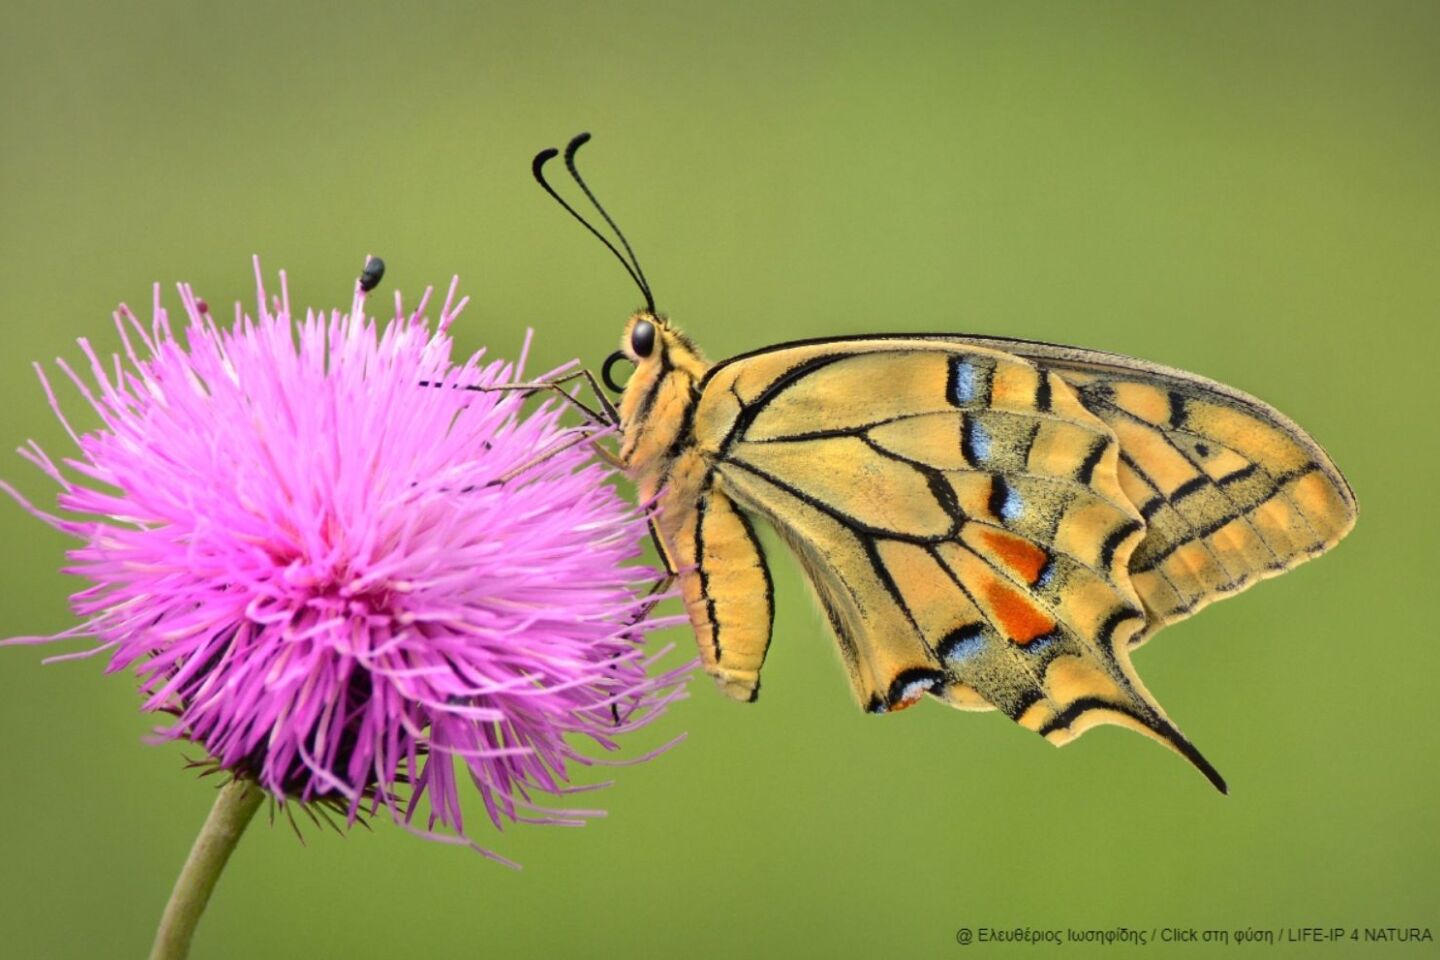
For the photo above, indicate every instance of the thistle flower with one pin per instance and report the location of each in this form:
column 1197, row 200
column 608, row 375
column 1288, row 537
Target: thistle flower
column 346, row 574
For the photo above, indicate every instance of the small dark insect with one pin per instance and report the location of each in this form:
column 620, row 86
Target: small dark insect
column 373, row 273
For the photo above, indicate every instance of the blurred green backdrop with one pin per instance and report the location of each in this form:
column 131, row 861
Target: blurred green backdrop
column 1245, row 190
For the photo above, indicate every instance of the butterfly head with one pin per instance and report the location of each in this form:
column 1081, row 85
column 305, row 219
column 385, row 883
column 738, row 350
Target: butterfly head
column 654, row 346
column 664, row 383
column 659, row 352
column 668, row 368
column 638, row 344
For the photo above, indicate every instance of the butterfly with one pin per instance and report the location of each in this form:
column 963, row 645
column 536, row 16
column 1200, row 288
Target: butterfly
column 991, row 522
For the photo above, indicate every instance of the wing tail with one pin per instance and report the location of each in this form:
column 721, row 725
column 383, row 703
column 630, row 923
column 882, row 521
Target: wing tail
column 1138, row 715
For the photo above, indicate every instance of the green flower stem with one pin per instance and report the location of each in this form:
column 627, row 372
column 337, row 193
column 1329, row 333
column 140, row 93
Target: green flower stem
column 234, row 807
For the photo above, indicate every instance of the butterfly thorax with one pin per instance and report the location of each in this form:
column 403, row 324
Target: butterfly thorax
column 659, row 398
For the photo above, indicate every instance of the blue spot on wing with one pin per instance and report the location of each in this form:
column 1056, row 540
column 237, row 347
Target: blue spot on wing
column 962, row 644
column 975, row 440
column 1047, row 574
column 1040, row 644
column 1013, row 505
column 962, row 381
column 965, row 650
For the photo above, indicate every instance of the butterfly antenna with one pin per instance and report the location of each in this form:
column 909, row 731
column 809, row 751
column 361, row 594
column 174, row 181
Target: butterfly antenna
column 572, row 148
column 537, row 168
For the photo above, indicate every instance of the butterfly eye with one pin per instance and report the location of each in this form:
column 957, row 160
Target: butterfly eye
column 642, row 338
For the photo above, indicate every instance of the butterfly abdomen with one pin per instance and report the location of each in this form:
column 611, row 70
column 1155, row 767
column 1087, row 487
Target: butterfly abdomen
column 724, row 580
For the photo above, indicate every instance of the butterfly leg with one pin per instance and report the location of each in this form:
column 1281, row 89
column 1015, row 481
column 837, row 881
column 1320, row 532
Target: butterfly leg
column 610, row 417
column 655, row 594
column 610, row 411
column 558, row 447
column 606, row 416
column 652, row 598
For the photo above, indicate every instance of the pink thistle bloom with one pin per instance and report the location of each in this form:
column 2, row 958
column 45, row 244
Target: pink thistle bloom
column 345, row 584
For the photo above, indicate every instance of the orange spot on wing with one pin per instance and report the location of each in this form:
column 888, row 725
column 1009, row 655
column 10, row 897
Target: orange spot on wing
column 1017, row 553
column 1021, row 620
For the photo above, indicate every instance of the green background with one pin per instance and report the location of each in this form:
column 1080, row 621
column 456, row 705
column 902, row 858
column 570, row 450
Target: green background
column 1246, row 190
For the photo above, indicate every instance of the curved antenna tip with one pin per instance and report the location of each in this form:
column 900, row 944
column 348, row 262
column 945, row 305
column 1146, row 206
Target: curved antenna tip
column 542, row 158
column 576, row 142
column 632, row 265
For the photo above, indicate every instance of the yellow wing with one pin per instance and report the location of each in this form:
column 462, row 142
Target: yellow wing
column 1231, row 490
column 960, row 515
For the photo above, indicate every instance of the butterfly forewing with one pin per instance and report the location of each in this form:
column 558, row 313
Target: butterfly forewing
column 1231, row 490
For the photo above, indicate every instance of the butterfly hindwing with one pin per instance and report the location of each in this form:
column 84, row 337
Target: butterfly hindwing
column 960, row 515
column 1231, row 490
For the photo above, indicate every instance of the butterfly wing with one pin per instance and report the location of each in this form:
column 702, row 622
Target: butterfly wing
column 1231, row 490
column 960, row 516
